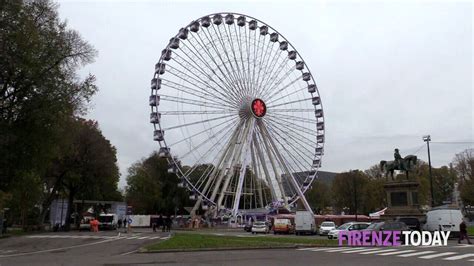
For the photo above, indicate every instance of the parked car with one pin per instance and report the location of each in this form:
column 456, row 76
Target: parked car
column 387, row 226
column 85, row 223
column 411, row 222
column 260, row 227
column 283, row 226
column 351, row 226
column 305, row 223
column 108, row 221
column 326, row 227
column 248, row 227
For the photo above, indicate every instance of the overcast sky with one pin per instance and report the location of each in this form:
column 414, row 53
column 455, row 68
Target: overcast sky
column 388, row 73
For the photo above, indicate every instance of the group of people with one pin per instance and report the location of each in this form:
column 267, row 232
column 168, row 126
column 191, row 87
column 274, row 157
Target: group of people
column 120, row 222
column 163, row 222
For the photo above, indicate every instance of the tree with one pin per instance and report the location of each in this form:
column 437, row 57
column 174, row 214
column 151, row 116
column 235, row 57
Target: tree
column 151, row 189
column 464, row 164
column 319, row 196
column 39, row 91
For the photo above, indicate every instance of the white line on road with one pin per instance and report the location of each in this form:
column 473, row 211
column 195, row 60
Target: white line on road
column 133, row 237
column 127, row 253
column 460, row 257
column 57, row 249
column 379, row 251
column 155, row 237
column 437, row 255
column 355, row 251
column 143, row 237
column 417, row 253
column 338, row 249
column 352, row 250
column 397, row 252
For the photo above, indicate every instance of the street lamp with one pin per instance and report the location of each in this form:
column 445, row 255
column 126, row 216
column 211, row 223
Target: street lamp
column 427, row 139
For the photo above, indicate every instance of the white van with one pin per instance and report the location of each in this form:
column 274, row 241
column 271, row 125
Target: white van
column 304, row 223
column 443, row 220
column 108, row 221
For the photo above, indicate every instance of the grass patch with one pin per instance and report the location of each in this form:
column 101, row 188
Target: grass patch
column 470, row 230
column 200, row 241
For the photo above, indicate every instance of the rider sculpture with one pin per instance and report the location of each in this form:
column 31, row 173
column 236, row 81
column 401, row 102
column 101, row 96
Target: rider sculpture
column 401, row 164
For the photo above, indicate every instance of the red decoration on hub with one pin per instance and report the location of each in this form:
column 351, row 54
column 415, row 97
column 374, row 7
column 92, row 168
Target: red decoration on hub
column 259, row 108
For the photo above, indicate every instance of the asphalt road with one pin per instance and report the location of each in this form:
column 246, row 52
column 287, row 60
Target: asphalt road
column 107, row 248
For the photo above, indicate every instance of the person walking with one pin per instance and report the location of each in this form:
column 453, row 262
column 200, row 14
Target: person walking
column 119, row 223
column 160, row 221
column 169, row 221
column 463, row 233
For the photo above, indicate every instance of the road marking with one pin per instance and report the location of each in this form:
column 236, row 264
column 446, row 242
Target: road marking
column 127, row 253
column 57, row 249
column 351, row 250
column 417, row 253
column 338, row 249
column 143, row 237
column 355, row 251
column 379, row 251
column 438, row 255
column 397, row 252
column 133, row 237
column 317, row 249
column 463, row 246
column 460, row 257
column 6, row 251
column 155, row 237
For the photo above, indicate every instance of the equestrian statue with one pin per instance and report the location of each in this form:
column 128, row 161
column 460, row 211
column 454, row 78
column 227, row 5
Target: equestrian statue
column 401, row 164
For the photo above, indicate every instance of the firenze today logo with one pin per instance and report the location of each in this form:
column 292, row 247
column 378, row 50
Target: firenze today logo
column 393, row 238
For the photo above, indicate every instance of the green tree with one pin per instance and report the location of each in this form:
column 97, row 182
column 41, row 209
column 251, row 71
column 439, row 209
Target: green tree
column 319, row 196
column 39, row 91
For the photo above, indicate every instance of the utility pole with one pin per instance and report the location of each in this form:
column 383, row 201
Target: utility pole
column 427, row 139
column 355, row 192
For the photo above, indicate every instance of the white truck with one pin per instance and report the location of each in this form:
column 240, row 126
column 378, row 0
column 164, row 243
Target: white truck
column 443, row 220
column 305, row 223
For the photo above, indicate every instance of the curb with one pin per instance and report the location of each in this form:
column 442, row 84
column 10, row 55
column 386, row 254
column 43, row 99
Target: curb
column 144, row 251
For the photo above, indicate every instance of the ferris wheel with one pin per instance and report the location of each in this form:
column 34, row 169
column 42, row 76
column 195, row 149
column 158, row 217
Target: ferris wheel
column 237, row 114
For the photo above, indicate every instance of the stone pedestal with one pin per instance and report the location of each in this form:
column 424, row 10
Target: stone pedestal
column 402, row 200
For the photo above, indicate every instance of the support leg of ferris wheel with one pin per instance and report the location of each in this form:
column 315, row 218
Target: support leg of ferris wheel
column 288, row 172
column 256, row 174
column 235, row 159
column 215, row 171
column 272, row 161
column 243, row 169
column 275, row 196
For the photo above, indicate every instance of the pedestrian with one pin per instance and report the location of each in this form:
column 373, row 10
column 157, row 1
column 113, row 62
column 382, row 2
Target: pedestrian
column 153, row 225
column 125, row 222
column 463, row 233
column 119, row 223
column 169, row 221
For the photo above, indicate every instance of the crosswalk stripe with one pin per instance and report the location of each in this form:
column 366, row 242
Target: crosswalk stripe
column 437, row 255
column 396, row 252
column 417, row 253
column 355, row 251
column 338, row 249
column 133, row 237
column 460, row 257
column 143, row 237
column 155, row 237
column 322, row 249
column 379, row 251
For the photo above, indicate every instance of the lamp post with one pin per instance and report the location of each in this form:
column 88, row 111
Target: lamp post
column 427, row 139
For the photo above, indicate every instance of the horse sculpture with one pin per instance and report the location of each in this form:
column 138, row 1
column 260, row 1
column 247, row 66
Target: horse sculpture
column 406, row 164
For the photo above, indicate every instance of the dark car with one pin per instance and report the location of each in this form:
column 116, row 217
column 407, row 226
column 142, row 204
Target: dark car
column 411, row 222
column 248, row 227
column 388, row 226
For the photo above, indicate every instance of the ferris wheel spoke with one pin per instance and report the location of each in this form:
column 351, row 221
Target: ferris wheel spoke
column 199, row 122
column 223, row 130
column 290, row 102
column 298, row 118
column 192, row 102
column 242, row 61
column 292, row 110
column 273, row 52
column 227, row 83
column 229, row 111
column 231, row 72
column 270, row 88
column 231, row 44
column 260, row 160
column 225, row 124
column 309, row 131
column 282, row 89
column 210, row 79
column 297, row 90
column 270, row 75
column 293, row 132
column 192, row 81
column 228, row 75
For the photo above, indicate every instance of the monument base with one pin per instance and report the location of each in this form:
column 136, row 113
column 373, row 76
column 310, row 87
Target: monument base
column 402, row 200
